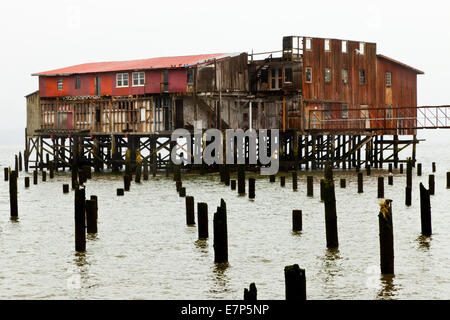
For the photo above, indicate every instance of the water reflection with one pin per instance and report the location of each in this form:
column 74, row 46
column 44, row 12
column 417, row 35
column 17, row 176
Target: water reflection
column 221, row 279
column 202, row 244
column 388, row 288
column 424, row 242
column 331, row 264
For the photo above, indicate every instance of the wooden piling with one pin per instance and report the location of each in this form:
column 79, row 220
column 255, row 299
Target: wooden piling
column 74, row 172
column 220, row 235
column 126, row 182
column 120, row 191
column 294, row 180
column 309, row 186
column 386, row 236
column 251, row 188
column 44, row 176
column 182, row 192
column 27, row 182
column 448, row 180
column 251, row 293
column 202, row 219
column 6, row 173
column 390, row 167
column 360, row 183
column 35, row 177
column 241, row 179
column 419, row 169
column 380, row 188
column 190, row 215
column 408, row 195
column 16, row 164
column 178, row 185
column 65, row 188
column 233, row 184
column 91, row 217
column 329, row 199
column 295, row 283
column 138, row 173
column 425, row 211
column 390, row 179
column 80, row 219
column 20, row 161
column 52, row 171
column 272, row 178
column 13, row 194
column 433, row 166
column 282, row 181
column 409, row 173
column 226, row 169
column 401, row 168
column 296, row 220
column 343, row 183
column 431, row 184
column 145, row 165
column 368, row 170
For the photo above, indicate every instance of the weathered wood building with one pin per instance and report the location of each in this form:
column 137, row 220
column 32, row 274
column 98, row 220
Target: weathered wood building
column 310, row 89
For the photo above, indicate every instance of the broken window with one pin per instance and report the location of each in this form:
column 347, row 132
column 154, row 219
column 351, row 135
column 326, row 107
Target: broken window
column 389, row 111
column 308, row 44
column 121, row 80
column 77, row 82
column 288, row 75
column 327, row 45
column 344, row 46
column 362, row 46
column 190, row 76
column 362, row 77
column 264, row 76
column 388, row 79
column 344, row 76
column 308, row 75
column 344, row 111
column 60, row 83
column 138, row 79
column 327, row 75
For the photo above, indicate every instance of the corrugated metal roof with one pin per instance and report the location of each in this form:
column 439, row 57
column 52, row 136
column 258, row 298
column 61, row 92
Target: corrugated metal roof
column 399, row 63
column 152, row 63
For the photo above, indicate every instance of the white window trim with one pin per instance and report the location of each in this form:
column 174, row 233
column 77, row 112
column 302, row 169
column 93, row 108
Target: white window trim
column 117, row 80
column 306, row 44
column 344, row 46
column 362, row 48
column 139, row 84
column 327, row 44
column 344, row 81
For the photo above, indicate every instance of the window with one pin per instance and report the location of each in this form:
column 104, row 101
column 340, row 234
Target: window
column 166, row 80
column 138, row 79
column 308, row 44
column 77, row 82
column 327, row 75
column 276, row 77
column 362, row 77
column 388, row 79
column 308, row 75
column 344, row 46
column 327, row 111
column 121, row 80
column 288, row 75
column 344, row 76
column 190, row 76
column 344, row 111
column 389, row 111
column 327, row 44
column 60, row 84
column 362, row 46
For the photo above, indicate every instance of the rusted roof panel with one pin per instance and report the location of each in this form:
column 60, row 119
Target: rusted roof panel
column 152, row 63
column 399, row 63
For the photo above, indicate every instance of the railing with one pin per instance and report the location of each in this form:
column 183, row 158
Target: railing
column 380, row 119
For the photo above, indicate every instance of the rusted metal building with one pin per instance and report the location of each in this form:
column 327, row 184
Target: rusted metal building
column 318, row 91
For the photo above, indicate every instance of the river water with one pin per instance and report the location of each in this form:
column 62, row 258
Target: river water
column 144, row 250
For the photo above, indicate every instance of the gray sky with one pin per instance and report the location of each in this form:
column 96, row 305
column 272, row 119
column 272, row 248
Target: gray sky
column 41, row 35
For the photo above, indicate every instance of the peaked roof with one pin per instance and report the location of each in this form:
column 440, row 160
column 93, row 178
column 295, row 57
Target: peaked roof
column 152, row 63
column 399, row 63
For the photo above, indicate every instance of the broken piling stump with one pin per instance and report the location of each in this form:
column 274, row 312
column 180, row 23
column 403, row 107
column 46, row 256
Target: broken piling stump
column 401, row 168
column 419, row 169
column 425, row 211
column 65, row 188
column 272, row 178
column 329, row 199
column 226, row 173
column 80, row 219
column 35, row 177
column 251, row 188
column 13, row 194
column 390, row 179
column 368, row 172
column 126, row 182
column 408, row 195
column 182, row 192
column 309, row 186
column 6, row 173
column 190, row 215
column 251, row 293
column 241, row 179
column 145, row 165
column 390, row 167
column 137, row 178
column 431, row 184
column 386, row 236
column 360, row 183
column 20, row 161
column 343, row 183
column 202, row 219
column 448, row 180
column 91, row 216
column 294, row 180
column 295, row 283
column 27, row 182
column 220, row 235
column 120, row 191
column 296, row 220
column 433, row 166
column 44, row 176
column 380, row 187
column 178, row 185
column 282, row 181
column 233, row 184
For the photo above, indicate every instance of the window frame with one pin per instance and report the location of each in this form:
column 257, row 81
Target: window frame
column 291, row 73
column 138, row 73
column 362, row 73
column 310, row 74
column 59, row 83
column 344, row 79
column 327, row 70
column 344, row 45
column 344, row 111
column 327, row 45
column 122, row 80
column 362, row 48
column 388, row 83
column 276, row 74
column 308, row 44
column 389, row 111
column 77, row 83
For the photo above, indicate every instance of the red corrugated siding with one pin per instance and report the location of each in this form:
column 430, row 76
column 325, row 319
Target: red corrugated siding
column 177, row 81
